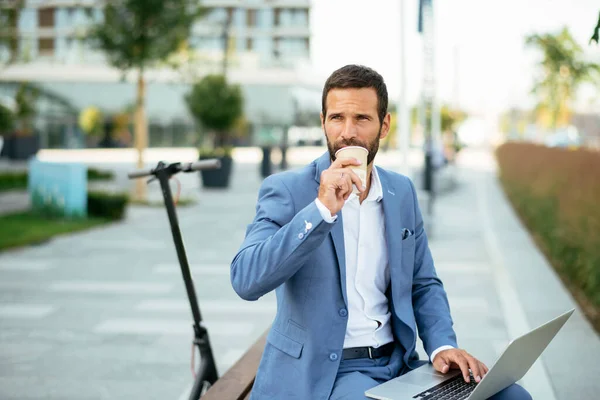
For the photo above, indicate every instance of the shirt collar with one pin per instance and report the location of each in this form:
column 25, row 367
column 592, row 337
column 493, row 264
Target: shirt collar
column 376, row 191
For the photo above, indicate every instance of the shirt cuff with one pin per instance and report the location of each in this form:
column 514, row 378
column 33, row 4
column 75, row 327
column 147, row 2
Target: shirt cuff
column 436, row 351
column 324, row 211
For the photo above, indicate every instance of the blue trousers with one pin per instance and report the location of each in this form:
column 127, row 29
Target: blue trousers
column 356, row 376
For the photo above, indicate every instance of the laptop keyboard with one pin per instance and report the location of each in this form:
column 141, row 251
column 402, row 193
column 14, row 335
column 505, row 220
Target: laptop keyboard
column 452, row 389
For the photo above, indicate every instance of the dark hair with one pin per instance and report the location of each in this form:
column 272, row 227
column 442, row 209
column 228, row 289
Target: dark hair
column 357, row 77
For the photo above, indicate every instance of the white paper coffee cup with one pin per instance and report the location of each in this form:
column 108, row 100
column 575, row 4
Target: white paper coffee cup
column 360, row 153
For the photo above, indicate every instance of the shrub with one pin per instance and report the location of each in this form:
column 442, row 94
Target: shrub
column 217, row 106
column 94, row 174
column 13, row 180
column 557, row 192
column 107, row 205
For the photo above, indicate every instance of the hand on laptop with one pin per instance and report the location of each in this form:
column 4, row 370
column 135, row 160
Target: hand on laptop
column 459, row 359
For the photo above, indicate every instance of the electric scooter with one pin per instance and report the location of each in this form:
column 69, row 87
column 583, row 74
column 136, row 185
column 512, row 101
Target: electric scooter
column 206, row 374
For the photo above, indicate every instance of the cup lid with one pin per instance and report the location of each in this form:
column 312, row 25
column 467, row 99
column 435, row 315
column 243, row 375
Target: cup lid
column 351, row 147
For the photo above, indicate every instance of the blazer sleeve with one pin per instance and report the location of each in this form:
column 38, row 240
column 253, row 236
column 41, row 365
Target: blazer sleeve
column 278, row 241
column 430, row 302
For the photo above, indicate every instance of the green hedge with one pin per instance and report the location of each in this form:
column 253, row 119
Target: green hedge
column 557, row 194
column 11, row 180
column 94, row 174
column 107, row 205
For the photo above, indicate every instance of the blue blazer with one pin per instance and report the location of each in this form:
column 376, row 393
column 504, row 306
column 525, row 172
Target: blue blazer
column 290, row 248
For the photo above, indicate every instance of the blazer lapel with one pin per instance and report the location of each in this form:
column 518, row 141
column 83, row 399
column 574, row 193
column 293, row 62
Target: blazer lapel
column 393, row 224
column 392, row 200
column 337, row 232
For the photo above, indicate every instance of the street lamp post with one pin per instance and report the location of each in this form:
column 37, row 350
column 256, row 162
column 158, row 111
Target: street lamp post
column 431, row 126
column 403, row 127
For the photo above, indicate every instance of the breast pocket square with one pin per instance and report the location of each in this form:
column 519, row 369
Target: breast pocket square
column 406, row 233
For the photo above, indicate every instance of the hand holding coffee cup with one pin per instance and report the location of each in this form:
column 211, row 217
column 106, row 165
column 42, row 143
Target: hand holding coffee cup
column 337, row 183
column 359, row 153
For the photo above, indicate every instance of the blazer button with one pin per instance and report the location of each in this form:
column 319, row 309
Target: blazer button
column 301, row 236
column 343, row 312
column 333, row 357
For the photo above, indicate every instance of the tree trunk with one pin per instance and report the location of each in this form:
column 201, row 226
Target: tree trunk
column 141, row 134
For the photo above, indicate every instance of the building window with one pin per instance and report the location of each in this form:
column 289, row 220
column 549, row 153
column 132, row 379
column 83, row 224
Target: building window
column 277, row 47
column 265, row 18
column 285, row 17
column 300, row 17
column 263, row 46
column 98, row 15
column 250, row 17
column 28, row 20
column 218, row 15
column 46, row 46
column 46, row 17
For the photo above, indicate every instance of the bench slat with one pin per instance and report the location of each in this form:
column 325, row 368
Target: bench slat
column 237, row 382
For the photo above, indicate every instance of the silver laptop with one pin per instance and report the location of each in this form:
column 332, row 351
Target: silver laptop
column 426, row 383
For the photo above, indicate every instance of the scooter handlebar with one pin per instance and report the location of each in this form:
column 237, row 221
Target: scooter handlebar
column 212, row 163
column 140, row 174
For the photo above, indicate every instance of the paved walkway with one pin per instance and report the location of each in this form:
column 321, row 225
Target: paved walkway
column 103, row 314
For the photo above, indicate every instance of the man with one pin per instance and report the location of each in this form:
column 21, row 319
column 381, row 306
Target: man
column 353, row 274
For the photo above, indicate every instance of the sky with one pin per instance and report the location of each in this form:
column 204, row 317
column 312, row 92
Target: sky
column 482, row 64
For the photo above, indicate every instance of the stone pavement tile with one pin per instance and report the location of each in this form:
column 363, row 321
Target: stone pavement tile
column 14, row 201
column 48, row 388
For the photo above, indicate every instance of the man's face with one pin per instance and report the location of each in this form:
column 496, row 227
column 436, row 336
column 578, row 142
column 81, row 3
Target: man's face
column 352, row 120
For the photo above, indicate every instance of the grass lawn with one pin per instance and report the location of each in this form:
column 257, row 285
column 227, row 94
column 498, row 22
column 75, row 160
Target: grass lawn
column 25, row 228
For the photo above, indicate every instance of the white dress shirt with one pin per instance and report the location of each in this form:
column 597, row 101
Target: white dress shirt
column 367, row 268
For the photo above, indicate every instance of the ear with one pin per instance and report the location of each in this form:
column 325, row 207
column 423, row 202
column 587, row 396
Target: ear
column 385, row 126
column 322, row 120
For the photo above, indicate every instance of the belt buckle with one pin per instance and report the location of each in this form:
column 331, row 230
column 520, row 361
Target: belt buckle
column 370, row 353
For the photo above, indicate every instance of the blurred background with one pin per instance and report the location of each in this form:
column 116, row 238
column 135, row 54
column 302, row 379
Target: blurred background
column 495, row 113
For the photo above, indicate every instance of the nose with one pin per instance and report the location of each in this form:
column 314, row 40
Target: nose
column 349, row 131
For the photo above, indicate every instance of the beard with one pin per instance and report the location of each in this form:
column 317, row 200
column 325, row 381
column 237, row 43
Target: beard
column 372, row 146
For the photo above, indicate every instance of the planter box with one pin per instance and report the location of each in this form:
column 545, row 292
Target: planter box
column 217, row 178
column 20, row 147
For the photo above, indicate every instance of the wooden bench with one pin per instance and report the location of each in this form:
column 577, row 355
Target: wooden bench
column 237, row 382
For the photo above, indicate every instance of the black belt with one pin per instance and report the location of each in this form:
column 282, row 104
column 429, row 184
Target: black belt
column 368, row 352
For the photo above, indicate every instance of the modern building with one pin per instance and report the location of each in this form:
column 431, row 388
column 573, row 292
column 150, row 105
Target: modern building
column 268, row 44
column 277, row 31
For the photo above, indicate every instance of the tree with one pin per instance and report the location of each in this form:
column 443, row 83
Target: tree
column 562, row 71
column 140, row 34
column 25, row 100
column 596, row 35
column 450, row 118
column 7, row 119
column 217, row 106
column 10, row 12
